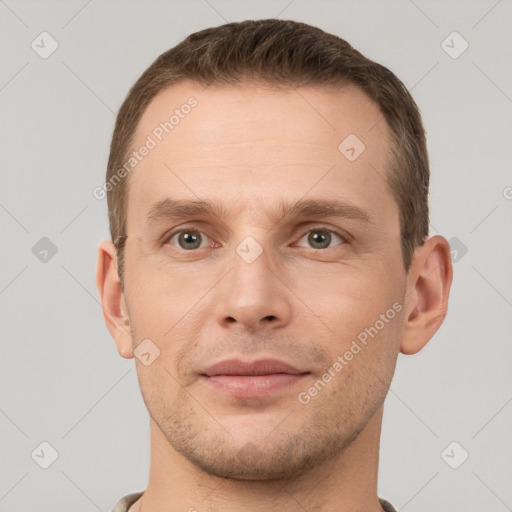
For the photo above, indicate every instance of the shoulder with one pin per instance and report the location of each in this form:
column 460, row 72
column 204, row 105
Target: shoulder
column 386, row 506
column 126, row 502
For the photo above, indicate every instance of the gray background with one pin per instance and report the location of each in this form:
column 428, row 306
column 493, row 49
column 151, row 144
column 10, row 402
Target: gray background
column 62, row 380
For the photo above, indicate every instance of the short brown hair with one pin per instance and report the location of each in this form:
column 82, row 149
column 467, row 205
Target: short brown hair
column 290, row 54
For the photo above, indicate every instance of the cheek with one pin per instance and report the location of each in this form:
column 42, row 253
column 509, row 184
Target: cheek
column 158, row 388
column 159, row 296
column 350, row 299
column 168, row 308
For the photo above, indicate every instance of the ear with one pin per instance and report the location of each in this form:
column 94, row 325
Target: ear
column 426, row 303
column 112, row 299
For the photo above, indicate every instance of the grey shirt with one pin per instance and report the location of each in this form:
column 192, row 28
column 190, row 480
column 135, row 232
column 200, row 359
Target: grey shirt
column 127, row 501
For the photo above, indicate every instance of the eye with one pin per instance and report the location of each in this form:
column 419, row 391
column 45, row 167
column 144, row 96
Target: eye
column 191, row 239
column 321, row 238
column 188, row 239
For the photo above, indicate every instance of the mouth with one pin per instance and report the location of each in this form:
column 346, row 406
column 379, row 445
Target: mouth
column 252, row 379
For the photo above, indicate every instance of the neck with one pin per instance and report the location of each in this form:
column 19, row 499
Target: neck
column 347, row 482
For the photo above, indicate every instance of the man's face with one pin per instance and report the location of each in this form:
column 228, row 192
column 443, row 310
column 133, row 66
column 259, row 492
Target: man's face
column 202, row 296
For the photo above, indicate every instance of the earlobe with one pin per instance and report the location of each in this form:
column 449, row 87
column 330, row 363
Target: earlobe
column 112, row 299
column 429, row 283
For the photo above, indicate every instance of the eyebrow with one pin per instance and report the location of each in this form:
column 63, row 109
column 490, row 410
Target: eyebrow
column 172, row 209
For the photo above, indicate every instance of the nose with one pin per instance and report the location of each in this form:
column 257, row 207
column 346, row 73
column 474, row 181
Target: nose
column 253, row 295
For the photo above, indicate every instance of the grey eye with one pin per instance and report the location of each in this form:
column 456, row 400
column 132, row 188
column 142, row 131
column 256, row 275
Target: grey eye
column 320, row 238
column 188, row 239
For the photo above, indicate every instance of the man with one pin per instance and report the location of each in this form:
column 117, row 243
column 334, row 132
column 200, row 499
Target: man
column 297, row 172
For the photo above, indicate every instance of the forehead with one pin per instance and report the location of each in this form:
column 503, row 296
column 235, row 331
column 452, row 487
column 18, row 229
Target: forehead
column 245, row 141
column 241, row 112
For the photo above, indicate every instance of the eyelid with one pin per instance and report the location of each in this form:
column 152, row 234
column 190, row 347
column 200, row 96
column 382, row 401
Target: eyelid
column 170, row 234
column 344, row 237
column 337, row 231
column 198, row 224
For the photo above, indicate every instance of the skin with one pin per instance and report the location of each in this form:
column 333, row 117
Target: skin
column 250, row 147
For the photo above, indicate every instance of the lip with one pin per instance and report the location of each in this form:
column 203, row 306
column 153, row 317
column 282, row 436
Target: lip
column 251, row 379
column 251, row 368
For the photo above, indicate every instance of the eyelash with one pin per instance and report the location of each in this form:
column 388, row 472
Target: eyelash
column 343, row 236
